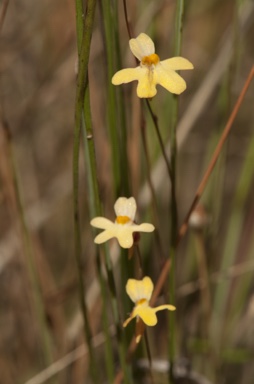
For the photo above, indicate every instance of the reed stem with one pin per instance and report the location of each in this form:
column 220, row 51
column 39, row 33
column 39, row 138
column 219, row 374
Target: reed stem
column 84, row 35
column 173, row 211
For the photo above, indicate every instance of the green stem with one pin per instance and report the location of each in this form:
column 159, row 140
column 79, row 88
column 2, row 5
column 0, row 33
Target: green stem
column 79, row 23
column 109, row 356
column 149, row 355
column 163, row 150
column 117, row 320
column 91, row 166
column 119, row 163
column 111, row 97
column 84, row 43
column 119, row 154
column 124, row 165
column 97, row 211
column 174, row 214
column 149, row 180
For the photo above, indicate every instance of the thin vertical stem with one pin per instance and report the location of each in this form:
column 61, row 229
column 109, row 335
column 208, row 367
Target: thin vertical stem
column 150, row 183
column 119, row 160
column 94, row 207
column 124, row 167
column 111, row 104
column 95, row 201
column 108, row 341
column 205, row 294
column 79, row 23
column 84, row 35
column 140, row 263
column 91, row 167
column 155, row 122
column 144, row 141
column 127, row 22
column 174, row 214
column 149, row 355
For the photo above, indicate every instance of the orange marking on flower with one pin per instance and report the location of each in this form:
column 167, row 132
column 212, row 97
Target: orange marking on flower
column 151, row 59
column 122, row 219
column 141, row 301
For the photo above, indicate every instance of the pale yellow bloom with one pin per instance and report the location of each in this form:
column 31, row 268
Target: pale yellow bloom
column 124, row 225
column 152, row 70
column 140, row 292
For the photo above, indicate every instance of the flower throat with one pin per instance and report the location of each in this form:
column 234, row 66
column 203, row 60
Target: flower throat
column 152, row 59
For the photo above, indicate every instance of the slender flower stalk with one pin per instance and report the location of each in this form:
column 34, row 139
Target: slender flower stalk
column 174, row 214
column 94, row 206
column 127, row 21
column 118, row 140
column 84, row 35
column 144, row 142
column 111, row 95
column 125, row 188
column 150, row 183
column 95, row 209
column 157, row 129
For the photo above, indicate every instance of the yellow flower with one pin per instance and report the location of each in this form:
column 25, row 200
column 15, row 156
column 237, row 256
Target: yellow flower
column 152, row 71
column 124, row 225
column 140, row 292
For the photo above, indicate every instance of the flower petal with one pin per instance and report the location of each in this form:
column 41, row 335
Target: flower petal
column 142, row 46
column 147, row 314
column 139, row 289
column 144, row 227
column 146, row 84
column 125, row 207
column 103, row 237
column 126, row 76
column 177, row 63
column 101, row 222
column 124, row 237
column 169, row 79
column 165, row 306
column 147, row 288
column 132, row 289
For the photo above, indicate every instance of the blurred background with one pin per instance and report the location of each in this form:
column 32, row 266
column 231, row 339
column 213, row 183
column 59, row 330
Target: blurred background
column 215, row 265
